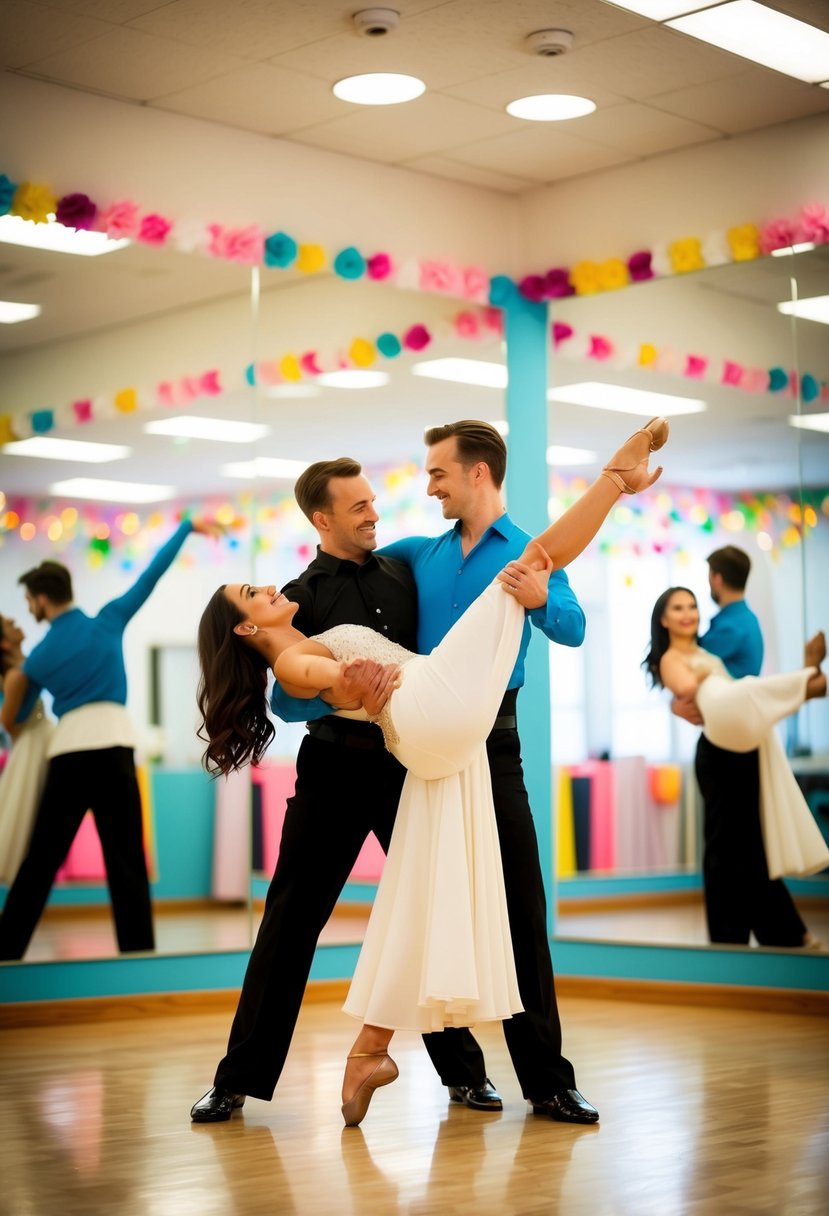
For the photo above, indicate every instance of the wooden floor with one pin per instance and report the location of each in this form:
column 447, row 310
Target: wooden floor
column 703, row 1111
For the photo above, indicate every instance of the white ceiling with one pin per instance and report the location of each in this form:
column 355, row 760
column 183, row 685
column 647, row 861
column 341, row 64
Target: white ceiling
column 267, row 66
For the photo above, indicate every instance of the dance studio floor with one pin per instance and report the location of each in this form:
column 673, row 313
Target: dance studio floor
column 703, row 1111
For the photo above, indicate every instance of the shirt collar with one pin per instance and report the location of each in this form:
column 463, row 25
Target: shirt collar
column 342, row 565
column 503, row 525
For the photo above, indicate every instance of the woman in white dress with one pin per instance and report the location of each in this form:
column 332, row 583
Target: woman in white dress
column 24, row 774
column 437, row 950
column 739, row 716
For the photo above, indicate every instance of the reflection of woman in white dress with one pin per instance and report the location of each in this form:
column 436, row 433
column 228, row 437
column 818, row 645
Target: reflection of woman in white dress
column 437, row 950
column 738, row 715
column 21, row 782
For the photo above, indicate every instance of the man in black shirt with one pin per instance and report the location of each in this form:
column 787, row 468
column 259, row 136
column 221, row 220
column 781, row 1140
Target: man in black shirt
column 346, row 583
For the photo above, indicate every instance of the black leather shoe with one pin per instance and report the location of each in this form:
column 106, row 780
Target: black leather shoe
column 568, row 1106
column 217, row 1105
column 483, row 1098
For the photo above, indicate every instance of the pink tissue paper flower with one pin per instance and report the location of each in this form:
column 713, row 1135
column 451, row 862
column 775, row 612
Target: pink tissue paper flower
column 695, row 366
column 245, row 245
column 467, row 325
column 814, row 220
column 561, row 332
column 119, row 221
column 442, row 277
column 154, row 229
column 417, row 337
column 379, row 266
column 600, row 348
column 475, row 283
column 777, row 234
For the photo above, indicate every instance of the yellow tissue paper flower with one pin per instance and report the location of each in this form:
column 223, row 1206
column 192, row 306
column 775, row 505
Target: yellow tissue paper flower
column 686, row 255
column 613, row 274
column 7, row 435
column 647, row 354
column 289, row 368
column 310, row 258
column 361, row 353
column 584, row 278
column 744, row 242
column 35, row 202
column 127, row 400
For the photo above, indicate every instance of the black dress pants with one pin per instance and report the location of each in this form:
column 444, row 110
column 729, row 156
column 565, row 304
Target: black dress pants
column 534, row 1036
column 104, row 782
column 740, row 898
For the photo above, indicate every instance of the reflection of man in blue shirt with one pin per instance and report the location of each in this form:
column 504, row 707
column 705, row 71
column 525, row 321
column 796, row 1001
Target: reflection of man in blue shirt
column 740, row 899
column 466, row 463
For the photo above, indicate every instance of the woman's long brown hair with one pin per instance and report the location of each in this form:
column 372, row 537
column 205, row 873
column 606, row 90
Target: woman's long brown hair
column 232, row 693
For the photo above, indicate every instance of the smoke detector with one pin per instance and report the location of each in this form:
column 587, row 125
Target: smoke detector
column 548, row 43
column 375, row 22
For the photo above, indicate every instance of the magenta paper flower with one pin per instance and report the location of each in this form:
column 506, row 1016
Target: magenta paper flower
column 379, row 266
column 417, row 338
column 732, row 373
column 814, row 220
column 640, row 267
column 557, row 284
column 778, row 234
column 82, row 410
column 119, row 220
column 244, row 245
column 76, row 211
column 442, row 277
column 601, row 348
column 154, row 229
column 209, row 383
column 695, row 366
column 561, row 332
column 532, row 288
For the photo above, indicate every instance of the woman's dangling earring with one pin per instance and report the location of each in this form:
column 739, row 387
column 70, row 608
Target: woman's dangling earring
column 253, row 629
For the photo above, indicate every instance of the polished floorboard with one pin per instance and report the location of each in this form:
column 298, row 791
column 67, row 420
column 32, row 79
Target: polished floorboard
column 703, row 1110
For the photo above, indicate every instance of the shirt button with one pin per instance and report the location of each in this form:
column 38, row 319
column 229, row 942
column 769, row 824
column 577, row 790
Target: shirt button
column 385, row 626
column 454, row 605
column 377, row 610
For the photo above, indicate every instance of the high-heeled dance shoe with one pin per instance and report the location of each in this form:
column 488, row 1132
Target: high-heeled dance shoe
column 354, row 1110
column 657, row 432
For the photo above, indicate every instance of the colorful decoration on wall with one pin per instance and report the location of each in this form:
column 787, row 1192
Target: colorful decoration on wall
column 663, row 520
column 252, row 245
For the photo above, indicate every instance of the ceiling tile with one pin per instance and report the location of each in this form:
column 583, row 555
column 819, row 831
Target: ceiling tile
column 128, row 64
column 443, row 166
column 734, row 105
column 641, row 129
column 31, row 31
column 430, row 124
column 539, row 155
column 116, row 12
column 258, row 97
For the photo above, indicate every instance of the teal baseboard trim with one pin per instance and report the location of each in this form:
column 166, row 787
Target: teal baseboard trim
column 352, row 892
column 597, row 886
column 732, row 966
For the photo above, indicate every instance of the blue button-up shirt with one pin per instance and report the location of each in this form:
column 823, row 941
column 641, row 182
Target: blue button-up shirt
column 734, row 636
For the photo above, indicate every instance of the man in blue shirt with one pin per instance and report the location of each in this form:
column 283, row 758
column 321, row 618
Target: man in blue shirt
column 740, row 898
column 80, row 662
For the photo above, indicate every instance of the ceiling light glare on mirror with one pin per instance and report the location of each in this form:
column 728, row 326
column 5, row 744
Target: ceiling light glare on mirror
column 762, row 35
column 111, row 491
column 222, row 430
column 287, row 392
column 463, row 371
column 550, row 107
column 559, row 454
column 788, row 250
column 264, row 466
column 348, row 378
column 624, row 400
column 56, row 238
column 44, row 447
column 379, row 89
column 12, row 313
column 811, row 308
column 810, row 422
column 662, row 10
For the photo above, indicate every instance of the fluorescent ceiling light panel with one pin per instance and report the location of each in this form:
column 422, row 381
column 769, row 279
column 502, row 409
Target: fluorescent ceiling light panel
column 810, row 422
column 281, row 392
column 788, row 250
column 111, row 491
column 550, row 107
column 56, row 238
column 46, row 448
column 223, row 430
column 557, row 454
column 353, row 379
column 763, row 35
column 11, row 313
column 264, row 466
column 379, row 89
column 625, row 400
column 661, row 10
column 813, row 308
column 464, row 371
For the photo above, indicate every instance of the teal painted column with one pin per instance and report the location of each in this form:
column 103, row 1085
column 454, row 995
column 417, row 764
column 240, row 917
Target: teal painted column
column 525, row 330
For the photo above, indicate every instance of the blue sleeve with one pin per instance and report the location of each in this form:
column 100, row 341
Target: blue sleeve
column 404, row 550
column 725, row 640
column 125, row 607
column 561, row 619
column 298, row 709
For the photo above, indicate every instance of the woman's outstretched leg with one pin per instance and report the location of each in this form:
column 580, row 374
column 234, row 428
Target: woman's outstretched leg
column 368, row 1066
column 627, row 472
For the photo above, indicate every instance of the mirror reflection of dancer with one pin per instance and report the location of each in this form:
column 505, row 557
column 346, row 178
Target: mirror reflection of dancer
column 21, row 782
column 80, row 662
column 437, row 950
column 777, row 834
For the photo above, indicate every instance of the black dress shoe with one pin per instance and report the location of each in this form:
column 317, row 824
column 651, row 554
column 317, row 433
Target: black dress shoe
column 217, row 1105
column 483, row 1098
column 568, row 1106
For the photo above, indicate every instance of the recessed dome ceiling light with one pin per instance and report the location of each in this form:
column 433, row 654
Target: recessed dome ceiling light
column 353, row 378
column 379, row 89
column 551, row 107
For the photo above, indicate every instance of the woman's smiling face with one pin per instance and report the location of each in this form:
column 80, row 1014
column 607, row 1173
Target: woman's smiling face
column 264, row 607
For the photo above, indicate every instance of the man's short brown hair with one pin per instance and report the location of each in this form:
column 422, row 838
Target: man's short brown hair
column 50, row 579
column 732, row 564
column 313, row 489
column 475, row 441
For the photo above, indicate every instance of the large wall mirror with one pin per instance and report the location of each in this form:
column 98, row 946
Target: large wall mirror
column 739, row 471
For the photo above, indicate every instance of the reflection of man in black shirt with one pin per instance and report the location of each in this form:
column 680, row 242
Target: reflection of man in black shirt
column 345, row 584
